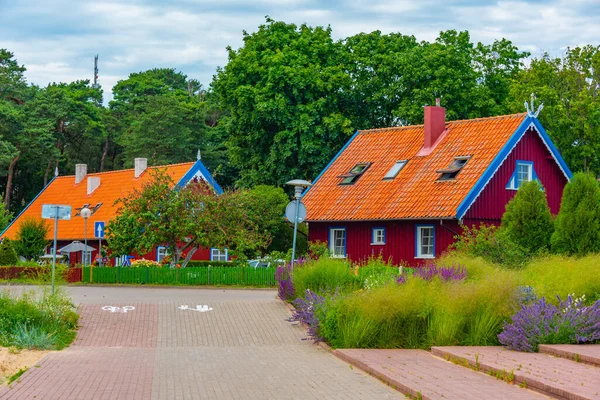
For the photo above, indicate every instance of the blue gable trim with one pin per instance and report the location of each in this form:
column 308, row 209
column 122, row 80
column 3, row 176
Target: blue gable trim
column 332, row 161
column 501, row 156
column 28, row 205
column 199, row 167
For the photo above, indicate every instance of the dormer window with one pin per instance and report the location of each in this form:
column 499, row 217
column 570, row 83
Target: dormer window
column 395, row 170
column 450, row 173
column 352, row 176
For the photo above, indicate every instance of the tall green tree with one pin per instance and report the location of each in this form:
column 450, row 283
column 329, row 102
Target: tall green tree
column 280, row 94
column 527, row 220
column 577, row 229
column 569, row 87
column 31, row 238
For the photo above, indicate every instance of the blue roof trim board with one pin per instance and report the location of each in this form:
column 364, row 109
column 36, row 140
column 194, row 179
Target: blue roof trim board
column 200, row 167
column 499, row 160
column 332, row 161
column 25, row 209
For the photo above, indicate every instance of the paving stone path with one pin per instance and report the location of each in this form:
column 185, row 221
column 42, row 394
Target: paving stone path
column 241, row 349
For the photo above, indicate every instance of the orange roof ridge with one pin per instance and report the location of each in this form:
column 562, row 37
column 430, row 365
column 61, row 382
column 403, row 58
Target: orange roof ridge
column 457, row 121
column 131, row 169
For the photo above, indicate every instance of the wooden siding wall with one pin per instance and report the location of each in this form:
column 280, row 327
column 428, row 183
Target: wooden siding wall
column 400, row 238
column 491, row 203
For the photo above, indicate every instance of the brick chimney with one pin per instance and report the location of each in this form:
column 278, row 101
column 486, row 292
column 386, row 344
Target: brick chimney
column 80, row 172
column 435, row 123
column 140, row 166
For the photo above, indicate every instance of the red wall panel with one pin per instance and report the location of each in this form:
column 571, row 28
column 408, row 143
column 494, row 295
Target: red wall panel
column 491, row 203
column 400, row 238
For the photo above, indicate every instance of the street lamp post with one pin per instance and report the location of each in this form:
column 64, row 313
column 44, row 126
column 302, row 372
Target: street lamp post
column 299, row 186
column 85, row 214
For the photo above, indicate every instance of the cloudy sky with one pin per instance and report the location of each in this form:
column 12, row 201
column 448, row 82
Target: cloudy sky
column 57, row 39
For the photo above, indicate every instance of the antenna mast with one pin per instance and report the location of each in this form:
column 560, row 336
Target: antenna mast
column 96, row 72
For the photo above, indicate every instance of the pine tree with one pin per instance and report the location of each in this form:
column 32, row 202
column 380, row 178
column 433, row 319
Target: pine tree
column 527, row 220
column 578, row 223
column 8, row 255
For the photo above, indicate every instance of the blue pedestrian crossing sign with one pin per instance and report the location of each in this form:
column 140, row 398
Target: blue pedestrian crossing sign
column 99, row 229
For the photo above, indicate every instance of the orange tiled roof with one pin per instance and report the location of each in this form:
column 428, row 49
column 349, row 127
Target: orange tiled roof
column 414, row 193
column 113, row 185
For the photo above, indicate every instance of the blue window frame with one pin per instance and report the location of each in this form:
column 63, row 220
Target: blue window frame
column 425, row 241
column 378, row 235
column 524, row 172
column 219, row 254
column 337, row 241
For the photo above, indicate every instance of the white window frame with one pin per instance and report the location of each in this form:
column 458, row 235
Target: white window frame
column 378, row 236
column 88, row 255
column 218, row 254
column 419, row 242
column 161, row 253
column 332, row 242
column 395, row 170
column 515, row 183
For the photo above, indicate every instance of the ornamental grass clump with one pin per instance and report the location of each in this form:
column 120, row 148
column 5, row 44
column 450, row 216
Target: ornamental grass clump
column 570, row 322
column 325, row 276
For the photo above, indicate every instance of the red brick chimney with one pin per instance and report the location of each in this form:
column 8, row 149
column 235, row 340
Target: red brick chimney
column 435, row 123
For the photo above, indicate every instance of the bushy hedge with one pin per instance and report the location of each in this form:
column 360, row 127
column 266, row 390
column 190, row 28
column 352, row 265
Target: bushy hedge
column 37, row 321
column 8, row 255
column 205, row 263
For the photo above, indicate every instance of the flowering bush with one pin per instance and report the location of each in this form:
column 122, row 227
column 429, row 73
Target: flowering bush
column 306, row 313
column 142, row 263
column 455, row 273
column 544, row 323
column 286, row 288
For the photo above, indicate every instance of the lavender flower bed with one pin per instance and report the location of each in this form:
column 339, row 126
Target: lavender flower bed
column 544, row 323
column 286, row 290
column 306, row 313
column 454, row 273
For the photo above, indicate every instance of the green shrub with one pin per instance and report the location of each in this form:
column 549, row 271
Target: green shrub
column 8, row 255
column 577, row 229
column 325, row 275
column 37, row 321
column 31, row 238
column 527, row 220
column 492, row 244
column 318, row 249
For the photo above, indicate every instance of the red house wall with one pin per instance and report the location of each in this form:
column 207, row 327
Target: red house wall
column 399, row 242
column 491, row 203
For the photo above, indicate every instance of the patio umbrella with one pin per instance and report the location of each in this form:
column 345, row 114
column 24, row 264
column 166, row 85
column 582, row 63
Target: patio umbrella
column 76, row 246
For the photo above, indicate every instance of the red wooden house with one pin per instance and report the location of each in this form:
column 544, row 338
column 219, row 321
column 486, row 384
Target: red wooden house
column 405, row 192
column 99, row 192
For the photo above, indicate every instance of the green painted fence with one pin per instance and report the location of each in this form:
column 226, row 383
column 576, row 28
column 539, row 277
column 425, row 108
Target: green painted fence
column 217, row 276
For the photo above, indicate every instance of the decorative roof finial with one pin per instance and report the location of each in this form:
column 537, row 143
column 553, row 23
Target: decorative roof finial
column 531, row 107
column 56, row 171
column 198, row 156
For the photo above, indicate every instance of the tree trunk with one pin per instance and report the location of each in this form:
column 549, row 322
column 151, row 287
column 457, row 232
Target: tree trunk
column 104, row 153
column 188, row 257
column 11, row 170
column 46, row 173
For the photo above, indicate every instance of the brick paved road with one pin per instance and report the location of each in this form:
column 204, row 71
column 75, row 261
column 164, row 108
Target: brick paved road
column 242, row 349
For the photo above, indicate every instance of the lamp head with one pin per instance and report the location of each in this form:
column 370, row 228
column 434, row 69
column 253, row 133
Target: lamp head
column 85, row 213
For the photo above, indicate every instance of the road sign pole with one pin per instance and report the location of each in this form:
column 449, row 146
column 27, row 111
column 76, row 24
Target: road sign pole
column 54, row 252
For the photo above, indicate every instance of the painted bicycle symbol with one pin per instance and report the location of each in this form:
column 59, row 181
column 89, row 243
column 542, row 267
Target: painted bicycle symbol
column 114, row 309
column 198, row 308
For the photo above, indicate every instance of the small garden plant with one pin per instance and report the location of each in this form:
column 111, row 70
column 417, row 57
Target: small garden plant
column 39, row 321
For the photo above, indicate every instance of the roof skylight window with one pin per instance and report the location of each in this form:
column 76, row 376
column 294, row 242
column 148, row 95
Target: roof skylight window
column 395, row 170
column 352, row 176
column 453, row 169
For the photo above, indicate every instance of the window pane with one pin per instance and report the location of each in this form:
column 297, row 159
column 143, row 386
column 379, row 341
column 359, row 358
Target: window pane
column 338, row 244
column 395, row 170
column 426, row 239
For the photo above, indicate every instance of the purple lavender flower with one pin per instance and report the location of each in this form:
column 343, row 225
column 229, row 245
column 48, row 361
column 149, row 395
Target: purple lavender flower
column 455, row 273
column 286, row 289
column 544, row 323
column 306, row 313
column 401, row 279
